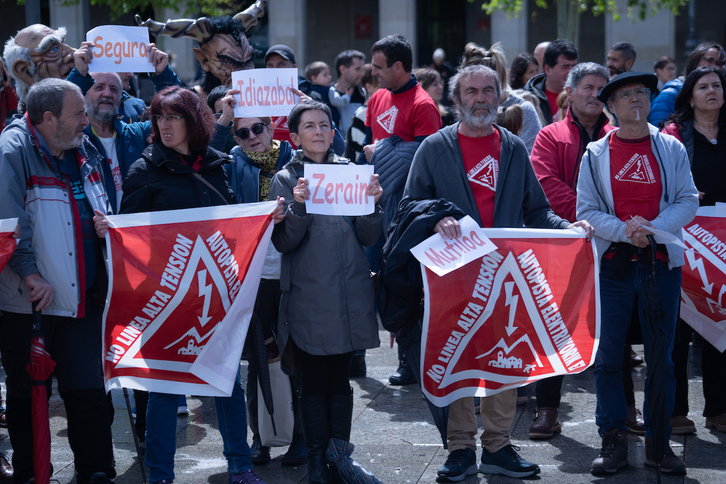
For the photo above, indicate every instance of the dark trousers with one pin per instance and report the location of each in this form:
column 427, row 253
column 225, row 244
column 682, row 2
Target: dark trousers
column 713, row 364
column 325, row 375
column 75, row 346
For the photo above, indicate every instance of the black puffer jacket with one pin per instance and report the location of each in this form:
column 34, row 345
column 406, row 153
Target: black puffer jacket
column 160, row 180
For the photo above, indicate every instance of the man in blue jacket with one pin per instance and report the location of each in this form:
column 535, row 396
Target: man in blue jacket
column 120, row 143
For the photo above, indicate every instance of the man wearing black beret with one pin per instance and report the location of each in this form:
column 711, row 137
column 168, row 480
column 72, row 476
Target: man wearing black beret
column 631, row 178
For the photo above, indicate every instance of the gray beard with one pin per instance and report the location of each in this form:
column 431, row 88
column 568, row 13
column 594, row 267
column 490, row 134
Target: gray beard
column 68, row 144
column 104, row 117
column 467, row 117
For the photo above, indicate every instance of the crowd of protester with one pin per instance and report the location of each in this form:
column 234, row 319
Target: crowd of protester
column 559, row 128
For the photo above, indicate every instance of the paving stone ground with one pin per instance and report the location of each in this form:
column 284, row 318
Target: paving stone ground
column 395, row 437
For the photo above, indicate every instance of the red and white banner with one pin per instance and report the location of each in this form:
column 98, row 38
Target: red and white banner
column 703, row 292
column 527, row 311
column 7, row 242
column 182, row 289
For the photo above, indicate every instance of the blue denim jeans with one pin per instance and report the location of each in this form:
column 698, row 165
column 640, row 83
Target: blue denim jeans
column 161, row 421
column 616, row 300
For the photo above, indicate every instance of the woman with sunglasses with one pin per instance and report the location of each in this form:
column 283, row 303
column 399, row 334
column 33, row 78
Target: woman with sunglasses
column 257, row 157
column 179, row 171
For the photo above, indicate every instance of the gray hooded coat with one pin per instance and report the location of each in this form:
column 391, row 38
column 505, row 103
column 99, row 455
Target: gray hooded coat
column 327, row 292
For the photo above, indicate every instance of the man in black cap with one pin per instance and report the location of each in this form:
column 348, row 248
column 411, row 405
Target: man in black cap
column 630, row 178
column 280, row 56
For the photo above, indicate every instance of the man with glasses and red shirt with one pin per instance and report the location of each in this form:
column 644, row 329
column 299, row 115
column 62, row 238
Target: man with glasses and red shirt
column 630, row 178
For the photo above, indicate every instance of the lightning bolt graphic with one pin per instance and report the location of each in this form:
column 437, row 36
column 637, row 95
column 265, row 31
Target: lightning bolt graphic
column 512, row 303
column 206, row 291
column 697, row 265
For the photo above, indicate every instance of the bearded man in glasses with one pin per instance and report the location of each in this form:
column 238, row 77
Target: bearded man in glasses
column 631, row 178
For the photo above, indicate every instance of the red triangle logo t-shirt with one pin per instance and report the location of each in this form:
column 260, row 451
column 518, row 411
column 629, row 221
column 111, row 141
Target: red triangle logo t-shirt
column 635, row 178
column 481, row 163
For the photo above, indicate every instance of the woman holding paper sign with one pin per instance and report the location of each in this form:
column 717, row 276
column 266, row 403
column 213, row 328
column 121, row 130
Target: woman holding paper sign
column 178, row 171
column 326, row 310
column 699, row 121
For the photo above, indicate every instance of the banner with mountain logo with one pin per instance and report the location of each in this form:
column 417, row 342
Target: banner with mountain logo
column 527, row 311
column 181, row 293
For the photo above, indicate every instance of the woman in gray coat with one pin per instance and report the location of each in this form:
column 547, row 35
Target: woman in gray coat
column 326, row 310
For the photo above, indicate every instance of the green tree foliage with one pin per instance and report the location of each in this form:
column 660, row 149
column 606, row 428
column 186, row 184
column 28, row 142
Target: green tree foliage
column 637, row 9
column 191, row 8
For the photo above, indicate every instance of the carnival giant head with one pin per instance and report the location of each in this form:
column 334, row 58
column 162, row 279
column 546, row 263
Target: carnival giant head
column 223, row 47
column 37, row 52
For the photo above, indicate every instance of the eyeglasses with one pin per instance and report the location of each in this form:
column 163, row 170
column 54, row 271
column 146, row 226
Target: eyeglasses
column 713, row 62
column 168, row 118
column 244, row 133
column 640, row 93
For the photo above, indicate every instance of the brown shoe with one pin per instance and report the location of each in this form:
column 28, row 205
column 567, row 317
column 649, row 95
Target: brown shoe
column 635, row 422
column 682, row 425
column 613, row 455
column 3, row 420
column 718, row 422
column 670, row 465
column 545, row 424
column 6, row 470
column 635, row 358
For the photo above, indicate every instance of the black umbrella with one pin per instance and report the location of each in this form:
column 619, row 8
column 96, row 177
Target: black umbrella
column 258, row 352
column 409, row 339
column 656, row 375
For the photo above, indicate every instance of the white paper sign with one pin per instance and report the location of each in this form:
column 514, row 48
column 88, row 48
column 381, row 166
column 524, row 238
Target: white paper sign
column 264, row 92
column 339, row 189
column 445, row 255
column 8, row 224
column 118, row 48
column 661, row 236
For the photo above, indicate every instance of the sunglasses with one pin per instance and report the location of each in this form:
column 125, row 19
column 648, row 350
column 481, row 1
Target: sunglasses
column 244, row 133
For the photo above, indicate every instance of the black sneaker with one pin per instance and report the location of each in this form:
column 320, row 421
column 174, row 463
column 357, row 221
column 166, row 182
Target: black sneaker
column 461, row 463
column 506, row 461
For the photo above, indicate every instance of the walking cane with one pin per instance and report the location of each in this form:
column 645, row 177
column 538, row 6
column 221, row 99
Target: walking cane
column 136, row 437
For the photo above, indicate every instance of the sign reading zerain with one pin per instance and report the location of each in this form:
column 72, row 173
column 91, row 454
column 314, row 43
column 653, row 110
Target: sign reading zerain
column 637, row 170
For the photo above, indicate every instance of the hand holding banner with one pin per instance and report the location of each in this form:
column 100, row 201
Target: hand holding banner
column 443, row 256
column 119, row 48
column 264, row 92
column 339, row 189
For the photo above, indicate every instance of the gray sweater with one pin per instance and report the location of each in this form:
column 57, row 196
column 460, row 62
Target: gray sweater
column 438, row 172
